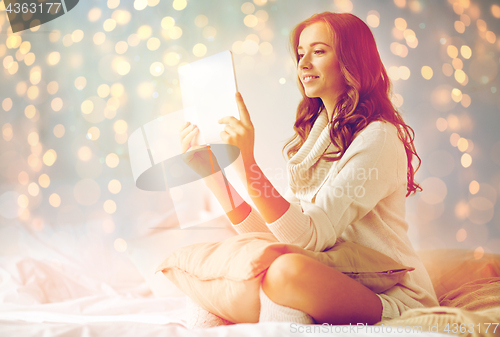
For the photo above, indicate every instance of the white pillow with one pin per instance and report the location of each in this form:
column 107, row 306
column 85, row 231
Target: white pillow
column 148, row 252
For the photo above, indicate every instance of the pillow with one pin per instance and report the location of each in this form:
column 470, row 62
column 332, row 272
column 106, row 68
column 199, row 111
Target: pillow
column 224, row 277
column 451, row 268
column 148, row 252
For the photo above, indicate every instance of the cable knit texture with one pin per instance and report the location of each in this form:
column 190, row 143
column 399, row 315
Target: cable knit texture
column 359, row 198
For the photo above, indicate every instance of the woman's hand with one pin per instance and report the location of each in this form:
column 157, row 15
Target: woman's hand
column 198, row 157
column 240, row 133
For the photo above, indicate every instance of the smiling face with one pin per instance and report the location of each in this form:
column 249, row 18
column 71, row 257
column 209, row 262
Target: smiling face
column 318, row 67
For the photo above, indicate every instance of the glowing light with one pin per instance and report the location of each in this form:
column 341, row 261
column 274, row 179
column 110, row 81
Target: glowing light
column 452, row 51
column 84, row 153
column 478, row 253
column 52, row 87
column 466, row 160
column 250, row 47
column 121, row 47
column 393, row 73
column 473, row 187
column 87, row 107
column 53, row 58
column 466, row 52
column 77, row 35
column 427, row 72
column 441, row 124
column 23, row 201
column 122, row 17
column 199, row 50
column 120, row 245
column 49, row 157
column 7, row 132
column 171, row 59
column 460, row 76
column 179, row 5
column 144, row 32
column 495, row 10
column 140, row 4
column 404, row 72
column 112, row 160
column 145, row 89
column 156, row 68
column 400, row 3
column 175, row 32
column 93, row 133
column 23, row 178
column 456, row 95
column 373, row 18
column 461, row 235
column 120, row 126
column 462, row 144
column 55, row 200
column 454, row 137
column 94, row 14
column 457, row 63
column 7, row 104
column 447, row 69
column 109, row 206
column 169, row 22
column 466, row 101
column 44, row 180
column 112, row 4
column 114, row 186
column 247, row 8
column 260, row 2
column 434, row 190
column 459, row 27
column 29, row 59
column 32, row 92
column 25, row 47
column 59, row 130
column 33, row 138
column 262, row 15
column 250, row 20
column 103, row 90
column 153, row 43
column 33, row 189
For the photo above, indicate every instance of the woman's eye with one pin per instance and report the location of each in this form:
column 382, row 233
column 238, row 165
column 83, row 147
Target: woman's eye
column 319, row 51
column 301, row 56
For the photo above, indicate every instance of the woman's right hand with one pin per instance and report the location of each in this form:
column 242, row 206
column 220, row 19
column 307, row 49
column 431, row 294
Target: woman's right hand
column 198, row 157
column 188, row 133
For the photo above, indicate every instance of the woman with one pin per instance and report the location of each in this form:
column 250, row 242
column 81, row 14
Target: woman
column 350, row 169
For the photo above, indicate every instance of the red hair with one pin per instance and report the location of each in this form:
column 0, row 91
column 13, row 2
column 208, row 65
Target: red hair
column 365, row 97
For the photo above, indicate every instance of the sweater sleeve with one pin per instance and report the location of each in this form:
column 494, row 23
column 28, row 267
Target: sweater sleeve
column 367, row 173
column 252, row 223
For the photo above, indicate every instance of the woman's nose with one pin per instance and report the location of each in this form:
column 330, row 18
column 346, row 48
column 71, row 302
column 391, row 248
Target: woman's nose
column 304, row 63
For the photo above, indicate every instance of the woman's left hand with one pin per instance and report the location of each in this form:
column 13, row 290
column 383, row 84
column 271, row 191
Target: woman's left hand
column 240, row 133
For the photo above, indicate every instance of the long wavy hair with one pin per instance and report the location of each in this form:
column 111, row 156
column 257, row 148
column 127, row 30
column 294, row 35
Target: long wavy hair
column 365, row 97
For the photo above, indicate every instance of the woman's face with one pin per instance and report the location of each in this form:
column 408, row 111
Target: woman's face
column 318, row 67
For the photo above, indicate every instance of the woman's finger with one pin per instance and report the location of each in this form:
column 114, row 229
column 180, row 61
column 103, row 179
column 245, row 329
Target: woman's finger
column 187, row 130
column 244, row 115
column 186, row 141
column 230, row 120
column 230, row 130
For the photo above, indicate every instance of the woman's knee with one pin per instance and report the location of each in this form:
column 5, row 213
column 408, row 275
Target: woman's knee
column 286, row 270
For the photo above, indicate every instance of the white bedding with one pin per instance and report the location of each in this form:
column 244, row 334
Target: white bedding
column 57, row 301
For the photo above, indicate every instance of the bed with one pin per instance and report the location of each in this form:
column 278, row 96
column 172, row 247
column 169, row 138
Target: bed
column 54, row 297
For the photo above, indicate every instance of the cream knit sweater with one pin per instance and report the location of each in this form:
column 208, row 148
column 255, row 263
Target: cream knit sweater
column 360, row 198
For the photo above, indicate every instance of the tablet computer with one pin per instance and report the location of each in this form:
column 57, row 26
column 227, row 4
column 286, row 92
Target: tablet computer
column 208, row 88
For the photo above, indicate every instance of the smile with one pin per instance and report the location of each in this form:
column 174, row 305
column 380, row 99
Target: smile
column 309, row 79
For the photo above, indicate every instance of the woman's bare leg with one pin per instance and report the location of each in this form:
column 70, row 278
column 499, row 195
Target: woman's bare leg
column 300, row 282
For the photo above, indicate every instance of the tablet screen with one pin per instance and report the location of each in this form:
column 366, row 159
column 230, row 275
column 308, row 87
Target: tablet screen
column 208, row 87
